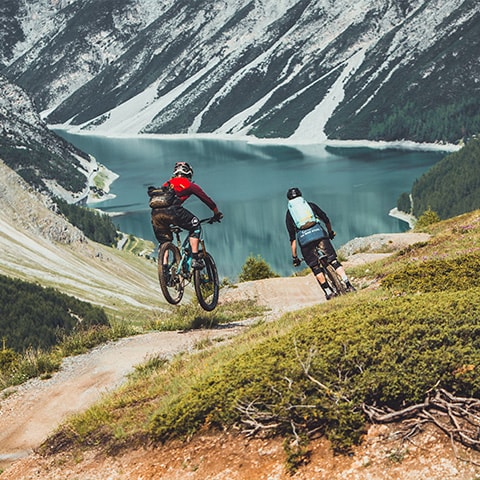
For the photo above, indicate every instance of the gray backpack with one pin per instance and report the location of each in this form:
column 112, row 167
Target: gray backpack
column 161, row 197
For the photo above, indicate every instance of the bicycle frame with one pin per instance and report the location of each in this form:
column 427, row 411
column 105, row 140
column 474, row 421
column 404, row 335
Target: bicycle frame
column 185, row 265
column 175, row 270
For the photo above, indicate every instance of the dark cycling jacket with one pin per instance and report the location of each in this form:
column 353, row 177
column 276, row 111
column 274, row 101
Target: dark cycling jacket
column 319, row 213
column 184, row 188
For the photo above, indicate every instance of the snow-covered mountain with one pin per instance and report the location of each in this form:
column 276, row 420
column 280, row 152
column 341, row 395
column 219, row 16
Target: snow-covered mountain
column 299, row 69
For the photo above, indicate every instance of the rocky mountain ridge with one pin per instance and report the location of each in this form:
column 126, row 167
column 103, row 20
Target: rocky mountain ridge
column 298, row 69
column 46, row 161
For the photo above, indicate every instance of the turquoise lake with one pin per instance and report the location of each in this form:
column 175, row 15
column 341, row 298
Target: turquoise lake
column 357, row 187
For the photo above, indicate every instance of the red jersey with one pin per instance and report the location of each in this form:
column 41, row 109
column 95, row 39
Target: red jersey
column 184, row 188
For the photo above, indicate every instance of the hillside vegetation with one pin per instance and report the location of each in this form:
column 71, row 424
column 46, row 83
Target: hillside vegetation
column 409, row 348
column 450, row 187
column 35, row 317
column 95, row 225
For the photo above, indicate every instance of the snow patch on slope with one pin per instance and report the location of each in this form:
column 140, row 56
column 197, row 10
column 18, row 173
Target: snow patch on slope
column 136, row 113
column 311, row 128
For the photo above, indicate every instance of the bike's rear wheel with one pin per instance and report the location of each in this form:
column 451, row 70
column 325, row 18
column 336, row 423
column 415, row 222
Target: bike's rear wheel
column 206, row 283
column 335, row 281
column 171, row 283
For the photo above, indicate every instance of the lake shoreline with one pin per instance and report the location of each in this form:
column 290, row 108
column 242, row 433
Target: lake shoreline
column 404, row 217
column 374, row 144
column 356, row 187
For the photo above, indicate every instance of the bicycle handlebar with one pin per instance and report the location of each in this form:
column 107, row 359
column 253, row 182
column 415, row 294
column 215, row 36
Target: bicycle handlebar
column 210, row 220
column 176, row 228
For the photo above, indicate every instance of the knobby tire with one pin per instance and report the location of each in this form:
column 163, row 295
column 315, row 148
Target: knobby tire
column 335, row 280
column 171, row 283
column 206, row 284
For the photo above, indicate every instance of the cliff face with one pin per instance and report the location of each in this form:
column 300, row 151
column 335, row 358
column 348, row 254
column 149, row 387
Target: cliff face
column 42, row 158
column 300, row 69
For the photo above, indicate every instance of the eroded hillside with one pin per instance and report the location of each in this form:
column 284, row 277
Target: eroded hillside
column 37, row 245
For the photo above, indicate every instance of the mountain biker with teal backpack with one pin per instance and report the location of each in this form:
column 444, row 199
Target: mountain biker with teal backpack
column 303, row 221
column 167, row 209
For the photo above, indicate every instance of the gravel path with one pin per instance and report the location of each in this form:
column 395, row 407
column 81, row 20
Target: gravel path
column 33, row 410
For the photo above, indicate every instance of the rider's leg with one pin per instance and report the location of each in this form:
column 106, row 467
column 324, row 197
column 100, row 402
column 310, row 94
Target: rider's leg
column 311, row 259
column 323, row 282
column 197, row 262
column 161, row 219
column 327, row 247
column 188, row 221
column 194, row 243
column 341, row 272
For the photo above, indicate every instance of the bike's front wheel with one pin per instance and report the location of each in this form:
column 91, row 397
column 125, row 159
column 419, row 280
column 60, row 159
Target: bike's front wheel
column 171, row 283
column 206, row 284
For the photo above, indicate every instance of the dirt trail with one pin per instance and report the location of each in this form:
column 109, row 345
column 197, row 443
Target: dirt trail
column 36, row 408
column 30, row 412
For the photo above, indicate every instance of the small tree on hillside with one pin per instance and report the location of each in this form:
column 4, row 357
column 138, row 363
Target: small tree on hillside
column 427, row 218
column 256, row 268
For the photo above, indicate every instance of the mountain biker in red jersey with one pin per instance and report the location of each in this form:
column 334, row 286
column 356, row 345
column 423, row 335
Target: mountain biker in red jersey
column 176, row 214
column 302, row 222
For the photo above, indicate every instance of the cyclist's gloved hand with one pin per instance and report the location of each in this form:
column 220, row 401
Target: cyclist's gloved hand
column 296, row 261
column 217, row 215
column 331, row 235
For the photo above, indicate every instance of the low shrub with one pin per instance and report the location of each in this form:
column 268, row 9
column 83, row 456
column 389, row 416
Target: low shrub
column 255, row 268
column 436, row 275
column 428, row 217
column 317, row 377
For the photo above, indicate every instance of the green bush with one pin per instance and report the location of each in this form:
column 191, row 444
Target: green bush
column 317, row 377
column 437, row 275
column 255, row 268
column 8, row 358
column 428, row 217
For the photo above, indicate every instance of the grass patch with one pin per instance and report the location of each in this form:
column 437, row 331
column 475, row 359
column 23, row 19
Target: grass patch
column 41, row 363
column 191, row 316
column 138, row 246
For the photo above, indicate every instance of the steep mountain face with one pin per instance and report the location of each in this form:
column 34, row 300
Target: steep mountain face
column 302, row 69
column 42, row 158
column 39, row 246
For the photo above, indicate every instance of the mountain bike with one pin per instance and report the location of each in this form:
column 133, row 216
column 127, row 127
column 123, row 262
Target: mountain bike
column 334, row 281
column 175, row 270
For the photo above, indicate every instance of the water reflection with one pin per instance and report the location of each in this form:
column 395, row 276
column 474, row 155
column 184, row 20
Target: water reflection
column 357, row 187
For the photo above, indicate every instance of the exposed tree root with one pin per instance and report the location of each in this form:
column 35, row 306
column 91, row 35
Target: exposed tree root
column 457, row 417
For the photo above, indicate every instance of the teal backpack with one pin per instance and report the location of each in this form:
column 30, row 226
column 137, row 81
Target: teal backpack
column 301, row 213
column 309, row 229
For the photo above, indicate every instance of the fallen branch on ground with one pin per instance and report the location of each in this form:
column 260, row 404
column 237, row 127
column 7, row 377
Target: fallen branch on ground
column 458, row 417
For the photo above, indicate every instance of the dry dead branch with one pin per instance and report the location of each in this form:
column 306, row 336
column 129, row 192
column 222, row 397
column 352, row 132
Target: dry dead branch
column 457, row 417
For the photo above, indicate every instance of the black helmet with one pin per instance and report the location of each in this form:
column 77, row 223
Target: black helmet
column 293, row 192
column 182, row 169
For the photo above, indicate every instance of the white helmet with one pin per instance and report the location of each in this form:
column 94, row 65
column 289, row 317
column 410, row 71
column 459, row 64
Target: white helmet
column 182, row 169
